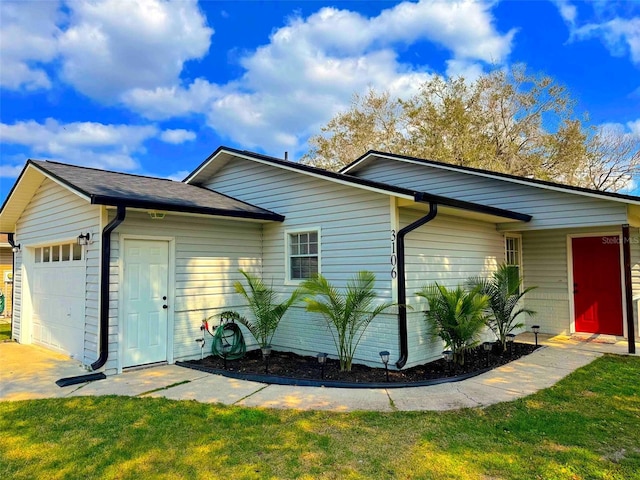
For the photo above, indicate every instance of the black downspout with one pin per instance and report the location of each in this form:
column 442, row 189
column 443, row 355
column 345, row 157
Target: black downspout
column 103, row 331
column 12, row 242
column 628, row 288
column 402, row 287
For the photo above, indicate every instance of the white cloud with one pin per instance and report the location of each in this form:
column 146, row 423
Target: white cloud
column 466, row 28
column 167, row 102
column 634, row 127
column 312, row 66
column 113, row 46
column 568, row 12
column 620, row 35
column 177, row 136
column 28, row 40
column 134, row 53
column 471, row 71
column 105, row 47
column 80, row 143
column 13, row 171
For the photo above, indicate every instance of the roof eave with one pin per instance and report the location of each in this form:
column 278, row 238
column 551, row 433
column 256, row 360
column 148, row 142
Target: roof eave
column 423, row 197
column 170, row 207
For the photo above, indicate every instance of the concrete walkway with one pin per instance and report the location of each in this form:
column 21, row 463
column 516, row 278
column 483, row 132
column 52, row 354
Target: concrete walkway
column 29, row 372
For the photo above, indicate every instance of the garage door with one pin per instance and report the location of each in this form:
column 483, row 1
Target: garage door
column 58, row 300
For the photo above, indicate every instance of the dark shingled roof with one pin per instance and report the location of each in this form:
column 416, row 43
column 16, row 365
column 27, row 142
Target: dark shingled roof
column 136, row 191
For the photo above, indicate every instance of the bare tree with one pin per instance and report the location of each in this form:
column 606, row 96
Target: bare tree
column 507, row 121
column 372, row 123
column 612, row 160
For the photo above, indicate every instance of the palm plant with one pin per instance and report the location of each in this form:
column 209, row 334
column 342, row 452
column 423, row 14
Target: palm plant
column 348, row 313
column 505, row 292
column 267, row 312
column 455, row 316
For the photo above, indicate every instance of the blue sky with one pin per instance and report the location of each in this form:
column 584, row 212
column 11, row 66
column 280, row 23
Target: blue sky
column 153, row 87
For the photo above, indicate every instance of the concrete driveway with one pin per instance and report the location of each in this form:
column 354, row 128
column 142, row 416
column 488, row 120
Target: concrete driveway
column 29, row 372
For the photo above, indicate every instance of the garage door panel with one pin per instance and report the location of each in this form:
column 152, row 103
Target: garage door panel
column 58, row 308
column 62, row 281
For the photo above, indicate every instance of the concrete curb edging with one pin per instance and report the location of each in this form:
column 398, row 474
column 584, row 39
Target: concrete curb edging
column 303, row 382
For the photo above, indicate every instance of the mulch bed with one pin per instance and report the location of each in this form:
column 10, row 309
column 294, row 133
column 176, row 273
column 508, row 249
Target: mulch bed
column 290, row 365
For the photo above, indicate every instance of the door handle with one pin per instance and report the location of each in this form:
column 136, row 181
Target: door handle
column 165, row 306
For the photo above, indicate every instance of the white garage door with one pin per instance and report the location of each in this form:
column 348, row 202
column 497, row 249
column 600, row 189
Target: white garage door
column 58, row 299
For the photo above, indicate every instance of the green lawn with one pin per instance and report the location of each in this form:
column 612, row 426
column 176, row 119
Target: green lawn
column 585, row 427
column 5, row 331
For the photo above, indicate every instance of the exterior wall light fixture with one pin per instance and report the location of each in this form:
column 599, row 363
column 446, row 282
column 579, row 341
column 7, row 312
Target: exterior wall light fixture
column 84, row 239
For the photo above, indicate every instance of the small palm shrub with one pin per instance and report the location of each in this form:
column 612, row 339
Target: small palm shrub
column 455, row 316
column 266, row 310
column 348, row 313
column 504, row 290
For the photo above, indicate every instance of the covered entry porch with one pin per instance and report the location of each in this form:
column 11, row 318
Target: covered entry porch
column 588, row 280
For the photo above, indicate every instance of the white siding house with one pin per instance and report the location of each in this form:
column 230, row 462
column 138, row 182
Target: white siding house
column 356, row 222
column 161, row 256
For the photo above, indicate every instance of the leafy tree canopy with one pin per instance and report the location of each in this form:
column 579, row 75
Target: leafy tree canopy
column 507, row 121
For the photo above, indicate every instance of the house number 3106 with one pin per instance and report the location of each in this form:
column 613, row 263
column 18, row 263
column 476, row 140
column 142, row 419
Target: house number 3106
column 394, row 258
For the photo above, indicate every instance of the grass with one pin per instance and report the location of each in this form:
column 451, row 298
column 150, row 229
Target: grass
column 585, row 427
column 5, row 331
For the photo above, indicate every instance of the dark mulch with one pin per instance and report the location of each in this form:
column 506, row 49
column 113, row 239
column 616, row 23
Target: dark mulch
column 290, row 365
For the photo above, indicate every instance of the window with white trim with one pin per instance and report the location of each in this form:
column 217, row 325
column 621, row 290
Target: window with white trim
column 66, row 252
column 303, row 254
column 513, row 255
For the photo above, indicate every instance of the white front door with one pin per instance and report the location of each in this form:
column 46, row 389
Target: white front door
column 145, row 290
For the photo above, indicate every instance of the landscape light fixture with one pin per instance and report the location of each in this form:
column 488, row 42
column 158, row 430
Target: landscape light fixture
column 384, row 356
column 322, row 360
column 510, row 338
column 266, row 353
column 448, row 357
column 535, row 329
column 84, row 239
column 487, row 348
column 201, row 342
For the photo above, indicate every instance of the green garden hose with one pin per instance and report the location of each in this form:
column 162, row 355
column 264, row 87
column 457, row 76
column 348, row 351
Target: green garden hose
column 228, row 342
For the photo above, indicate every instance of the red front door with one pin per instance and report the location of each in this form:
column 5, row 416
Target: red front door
column 597, row 290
